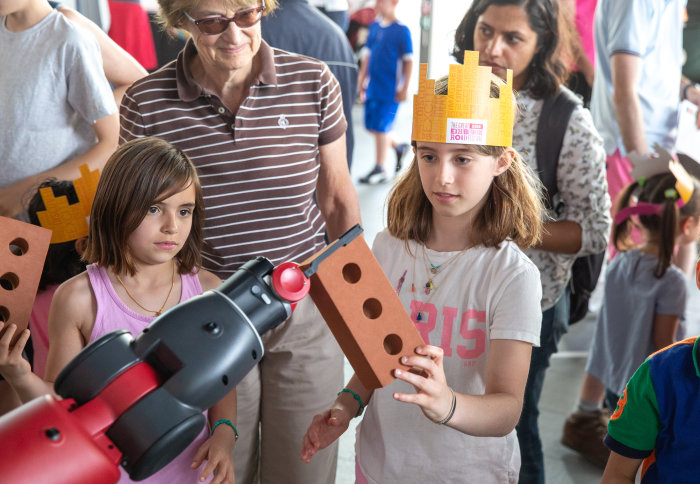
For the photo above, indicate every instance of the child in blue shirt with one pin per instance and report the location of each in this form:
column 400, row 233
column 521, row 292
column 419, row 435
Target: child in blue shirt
column 657, row 420
column 387, row 64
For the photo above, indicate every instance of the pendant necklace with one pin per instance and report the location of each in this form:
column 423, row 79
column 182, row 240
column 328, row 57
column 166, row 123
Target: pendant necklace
column 435, row 270
column 159, row 311
column 432, row 272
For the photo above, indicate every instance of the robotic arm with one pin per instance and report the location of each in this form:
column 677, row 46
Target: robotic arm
column 138, row 402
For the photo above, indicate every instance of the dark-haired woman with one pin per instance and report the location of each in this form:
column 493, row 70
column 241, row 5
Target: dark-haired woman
column 527, row 36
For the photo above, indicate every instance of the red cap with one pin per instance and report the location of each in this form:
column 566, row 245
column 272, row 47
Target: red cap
column 290, row 282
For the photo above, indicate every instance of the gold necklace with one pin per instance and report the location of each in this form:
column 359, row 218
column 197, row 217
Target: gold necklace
column 429, row 286
column 435, row 270
column 157, row 313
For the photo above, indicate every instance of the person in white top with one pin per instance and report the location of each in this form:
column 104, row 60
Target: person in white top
column 457, row 221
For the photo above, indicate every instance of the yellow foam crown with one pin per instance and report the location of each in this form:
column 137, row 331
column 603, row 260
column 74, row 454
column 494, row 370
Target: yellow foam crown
column 69, row 222
column 467, row 114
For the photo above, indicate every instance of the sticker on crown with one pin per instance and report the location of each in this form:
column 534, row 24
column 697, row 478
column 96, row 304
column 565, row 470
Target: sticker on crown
column 466, row 131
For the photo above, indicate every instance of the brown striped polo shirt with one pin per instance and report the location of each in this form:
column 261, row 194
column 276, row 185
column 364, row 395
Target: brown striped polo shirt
column 258, row 167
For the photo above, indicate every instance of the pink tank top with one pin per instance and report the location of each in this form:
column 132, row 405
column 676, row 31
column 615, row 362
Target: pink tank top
column 113, row 314
column 39, row 326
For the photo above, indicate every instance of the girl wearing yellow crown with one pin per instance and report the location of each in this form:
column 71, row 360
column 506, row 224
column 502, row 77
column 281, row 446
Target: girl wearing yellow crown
column 457, row 221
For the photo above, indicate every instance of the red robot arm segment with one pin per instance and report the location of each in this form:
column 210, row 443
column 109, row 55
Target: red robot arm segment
column 55, row 441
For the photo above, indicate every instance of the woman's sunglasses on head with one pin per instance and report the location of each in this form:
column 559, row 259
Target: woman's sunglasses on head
column 216, row 25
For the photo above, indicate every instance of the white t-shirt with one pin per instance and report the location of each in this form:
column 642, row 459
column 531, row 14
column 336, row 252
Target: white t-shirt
column 52, row 90
column 483, row 294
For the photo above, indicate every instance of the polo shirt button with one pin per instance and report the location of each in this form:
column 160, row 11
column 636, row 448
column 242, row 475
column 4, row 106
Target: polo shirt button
column 221, row 110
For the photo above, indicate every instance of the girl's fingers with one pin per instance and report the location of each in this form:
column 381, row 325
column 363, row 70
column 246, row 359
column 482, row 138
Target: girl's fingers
column 309, row 445
column 434, row 352
column 206, row 472
column 20, row 344
column 7, row 334
column 419, row 382
column 416, row 398
column 422, row 363
column 308, row 449
column 199, row 456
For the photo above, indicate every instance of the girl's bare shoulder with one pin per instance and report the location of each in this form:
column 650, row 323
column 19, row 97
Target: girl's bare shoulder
column 208, row 280
column 75, row 298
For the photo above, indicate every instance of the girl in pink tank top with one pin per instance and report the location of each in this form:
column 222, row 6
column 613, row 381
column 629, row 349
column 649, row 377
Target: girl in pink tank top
column 144, row 250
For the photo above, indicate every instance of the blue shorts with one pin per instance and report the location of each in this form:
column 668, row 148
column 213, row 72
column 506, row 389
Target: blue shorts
column 380, row 115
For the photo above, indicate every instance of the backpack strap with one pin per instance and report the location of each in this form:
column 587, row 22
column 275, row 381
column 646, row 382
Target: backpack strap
column 551, row 128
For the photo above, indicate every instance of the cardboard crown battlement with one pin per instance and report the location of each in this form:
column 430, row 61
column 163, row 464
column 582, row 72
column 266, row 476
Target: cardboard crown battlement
column 69, row 221
column 467, row 114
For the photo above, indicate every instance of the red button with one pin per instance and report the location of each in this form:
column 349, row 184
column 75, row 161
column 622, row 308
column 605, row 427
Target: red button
column 289, row 282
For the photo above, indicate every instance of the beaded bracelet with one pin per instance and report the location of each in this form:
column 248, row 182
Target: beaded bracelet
column 224, row 421
column 452, row 409
column 356, row 397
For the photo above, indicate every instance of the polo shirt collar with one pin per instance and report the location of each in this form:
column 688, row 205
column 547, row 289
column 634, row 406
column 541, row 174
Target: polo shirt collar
column 696, row 356
column 188, row 89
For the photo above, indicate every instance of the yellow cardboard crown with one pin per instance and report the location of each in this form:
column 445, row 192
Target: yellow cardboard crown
column 69, row 222
column 467, row 114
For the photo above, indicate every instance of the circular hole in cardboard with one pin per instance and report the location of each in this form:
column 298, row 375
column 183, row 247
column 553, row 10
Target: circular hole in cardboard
column 393, row 344
column 9, row 281
column 4, row 314
column 372, row 308
column 352, row 272
column 19, row 246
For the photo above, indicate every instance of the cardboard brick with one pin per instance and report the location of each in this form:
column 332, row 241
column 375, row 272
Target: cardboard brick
column 20, row 271
column 364, row 313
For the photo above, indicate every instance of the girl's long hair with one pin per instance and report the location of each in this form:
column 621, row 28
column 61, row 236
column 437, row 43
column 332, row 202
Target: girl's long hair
column 140, row 173
column 661, row 227
column 513, row 208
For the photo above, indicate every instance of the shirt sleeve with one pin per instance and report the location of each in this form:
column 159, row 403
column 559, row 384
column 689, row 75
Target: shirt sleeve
column 332, row 123
column 635, row 424
column 673, row 295
column 89, row 93
column 628, row 26
column 583, row 184
column 517, row 313
column 131, row 123
column 406, row 43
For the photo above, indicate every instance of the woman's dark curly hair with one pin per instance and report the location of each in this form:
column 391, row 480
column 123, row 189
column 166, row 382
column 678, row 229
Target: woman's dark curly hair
column 548, row 67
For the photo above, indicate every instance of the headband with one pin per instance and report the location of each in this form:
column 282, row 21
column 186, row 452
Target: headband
column 69, row 221
column 643, row 208
column 646, row 166
column 467, row 114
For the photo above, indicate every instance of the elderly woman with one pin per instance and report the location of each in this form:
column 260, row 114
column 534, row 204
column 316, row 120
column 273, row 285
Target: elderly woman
column 265, row 129
column 526, row 36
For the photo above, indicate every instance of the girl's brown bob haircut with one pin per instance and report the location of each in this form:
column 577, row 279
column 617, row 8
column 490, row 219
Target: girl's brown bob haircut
column 139, row 174
column 513, row 208
column 171, row 14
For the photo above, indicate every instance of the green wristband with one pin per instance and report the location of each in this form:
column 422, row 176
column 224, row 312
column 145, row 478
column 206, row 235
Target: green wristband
column 356, row 397
column 224, row 421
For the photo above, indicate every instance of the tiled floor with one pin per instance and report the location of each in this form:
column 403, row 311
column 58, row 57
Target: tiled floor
column 564, row 377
